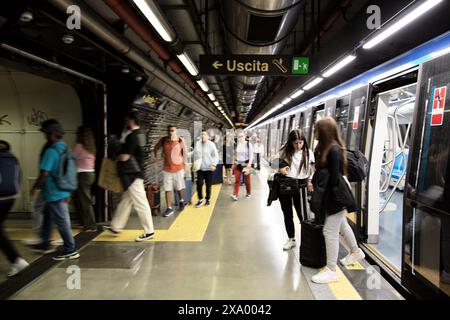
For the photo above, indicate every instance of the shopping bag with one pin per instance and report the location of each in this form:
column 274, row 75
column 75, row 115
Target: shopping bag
column 109, row 178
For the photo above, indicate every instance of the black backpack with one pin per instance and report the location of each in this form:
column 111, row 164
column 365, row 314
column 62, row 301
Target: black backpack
column 357, row 166
column 9, row 175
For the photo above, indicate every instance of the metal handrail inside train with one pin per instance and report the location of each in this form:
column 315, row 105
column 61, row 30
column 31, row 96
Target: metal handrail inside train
column 401, row 152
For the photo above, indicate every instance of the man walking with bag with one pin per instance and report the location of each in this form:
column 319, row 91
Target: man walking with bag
column 131, row 171
column 56, row 197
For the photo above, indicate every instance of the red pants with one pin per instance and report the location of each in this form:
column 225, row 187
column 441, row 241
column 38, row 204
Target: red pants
column 237, row 181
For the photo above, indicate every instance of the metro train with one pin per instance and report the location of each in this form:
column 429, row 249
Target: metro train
column 401, row 122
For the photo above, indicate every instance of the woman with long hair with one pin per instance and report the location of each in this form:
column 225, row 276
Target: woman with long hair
column 330, row 154
column 84, row 152
column 300, row 160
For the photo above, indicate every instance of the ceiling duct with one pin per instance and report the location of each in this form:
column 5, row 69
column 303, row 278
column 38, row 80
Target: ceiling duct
column 158, row 78
column 257, row 27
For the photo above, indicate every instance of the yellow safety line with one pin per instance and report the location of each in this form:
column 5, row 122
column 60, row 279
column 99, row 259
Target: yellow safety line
column 190, row 225
column 343, row 289
column 26, row 234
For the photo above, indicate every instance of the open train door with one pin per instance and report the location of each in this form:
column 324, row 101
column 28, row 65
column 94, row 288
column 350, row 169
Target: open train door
column 426, row 216
column 353, row 110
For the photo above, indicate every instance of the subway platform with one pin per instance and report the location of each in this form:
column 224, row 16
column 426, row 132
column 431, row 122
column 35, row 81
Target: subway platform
column 228, row 251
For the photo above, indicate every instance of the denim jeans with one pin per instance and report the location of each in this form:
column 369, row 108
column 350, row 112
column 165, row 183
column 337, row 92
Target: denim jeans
column 58, row 212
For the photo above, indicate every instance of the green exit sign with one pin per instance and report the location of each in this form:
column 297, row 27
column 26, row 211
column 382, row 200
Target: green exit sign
column 300, row 65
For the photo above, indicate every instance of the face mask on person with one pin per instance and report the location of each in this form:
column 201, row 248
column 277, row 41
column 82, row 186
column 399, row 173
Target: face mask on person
column 172, row 132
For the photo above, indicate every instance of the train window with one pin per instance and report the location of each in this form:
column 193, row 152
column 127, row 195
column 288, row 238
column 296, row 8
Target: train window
column 318, row 114
column 391, row 134
column 342, row 116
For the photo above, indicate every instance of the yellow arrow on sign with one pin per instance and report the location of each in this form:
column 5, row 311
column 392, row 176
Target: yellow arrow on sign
column 217, row 64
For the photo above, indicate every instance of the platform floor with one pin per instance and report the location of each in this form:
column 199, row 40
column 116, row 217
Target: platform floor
column 231, row 250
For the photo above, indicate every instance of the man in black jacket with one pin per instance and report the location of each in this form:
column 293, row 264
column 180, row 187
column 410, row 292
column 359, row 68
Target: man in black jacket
column 131, row 168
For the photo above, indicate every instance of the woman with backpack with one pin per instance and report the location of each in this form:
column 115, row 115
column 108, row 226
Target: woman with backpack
column 298, row 172
column 84, row 152
column 330, row 156
column 9, row 189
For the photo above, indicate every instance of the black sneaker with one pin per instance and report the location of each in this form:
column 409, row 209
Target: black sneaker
column 67, row 256
column 182, row 205
column 199, row 203
column 111, row 231
column 208, row 203
column 39, row 248
column 144, row 237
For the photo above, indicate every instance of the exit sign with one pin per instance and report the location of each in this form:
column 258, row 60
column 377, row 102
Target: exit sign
column 254, row 65
column 300, row 65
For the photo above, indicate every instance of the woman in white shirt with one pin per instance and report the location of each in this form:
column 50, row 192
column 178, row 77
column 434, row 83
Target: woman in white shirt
column 301, row 167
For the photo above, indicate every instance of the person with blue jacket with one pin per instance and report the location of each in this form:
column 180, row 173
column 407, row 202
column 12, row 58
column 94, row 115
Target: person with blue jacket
column 206, row 158
column 56, row 199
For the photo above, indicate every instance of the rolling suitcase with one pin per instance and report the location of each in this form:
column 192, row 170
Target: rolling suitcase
column 312, row 247
column 188, row 192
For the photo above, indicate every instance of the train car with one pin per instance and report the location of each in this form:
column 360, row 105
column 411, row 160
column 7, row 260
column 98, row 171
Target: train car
column 399, row 119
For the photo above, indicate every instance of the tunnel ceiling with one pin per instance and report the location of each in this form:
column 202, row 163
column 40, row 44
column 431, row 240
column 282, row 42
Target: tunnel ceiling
column 324, row 30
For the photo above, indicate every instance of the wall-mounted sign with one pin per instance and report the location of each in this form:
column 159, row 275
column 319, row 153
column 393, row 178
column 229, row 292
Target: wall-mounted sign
column 251, row 65
column 356, row 118
column 437, row 113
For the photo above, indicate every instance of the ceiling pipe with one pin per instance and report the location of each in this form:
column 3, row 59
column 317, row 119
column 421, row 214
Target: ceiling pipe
column 326, row 26
column 103, row 31
column 127, row 14
column 307, row 47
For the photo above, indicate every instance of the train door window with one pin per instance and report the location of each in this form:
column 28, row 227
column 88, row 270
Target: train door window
column 427, row 211
column 291, row 125
column 318, row 114
column 285, row 130
column 356, row 112
column 342, row 115
column 390, row 143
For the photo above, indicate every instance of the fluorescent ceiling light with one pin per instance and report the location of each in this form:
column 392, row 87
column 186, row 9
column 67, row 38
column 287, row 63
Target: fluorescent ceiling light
column 313, row 83
column 338, row 66
column 297, row 94
column 187, row 62
column 155, row 18
column 203, row 85
column 212, row 96
column 216, row 103
column 439, row 53
column 410, row 17
column 286, row 101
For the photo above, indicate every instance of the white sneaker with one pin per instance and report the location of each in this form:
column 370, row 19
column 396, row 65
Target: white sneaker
column 234, row 197
column 289, row 244
column 352, row 258
column 326, row 275
column 17, row 266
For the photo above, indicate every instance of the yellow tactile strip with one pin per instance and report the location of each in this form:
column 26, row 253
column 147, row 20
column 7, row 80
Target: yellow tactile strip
column 189, row 226
column 343, row 289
